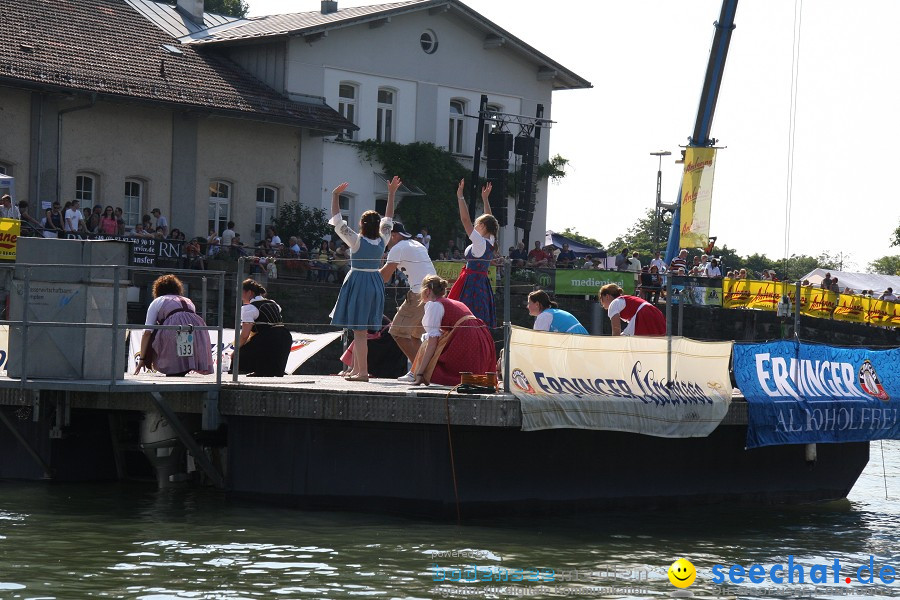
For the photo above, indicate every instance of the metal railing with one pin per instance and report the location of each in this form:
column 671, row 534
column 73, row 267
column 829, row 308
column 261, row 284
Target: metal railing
column 114, row 325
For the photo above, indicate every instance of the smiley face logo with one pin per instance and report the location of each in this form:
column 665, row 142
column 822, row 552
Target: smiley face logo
column 682, row 573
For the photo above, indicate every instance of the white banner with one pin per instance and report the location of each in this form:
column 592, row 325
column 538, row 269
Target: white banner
column 619, row 383
column 303, row 347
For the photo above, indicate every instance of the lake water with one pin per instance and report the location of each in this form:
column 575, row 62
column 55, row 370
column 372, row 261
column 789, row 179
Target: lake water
column 132, row 541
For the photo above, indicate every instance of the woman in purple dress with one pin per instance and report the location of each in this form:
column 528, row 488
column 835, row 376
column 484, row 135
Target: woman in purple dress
column 165, row 350
column 473, row 287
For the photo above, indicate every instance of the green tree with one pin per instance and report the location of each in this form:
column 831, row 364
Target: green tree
column 757, row 263
column 574, row 235
column 896, row 239
column 886, row 265
column 231, row 8
column 307, row 223
column 641, row 236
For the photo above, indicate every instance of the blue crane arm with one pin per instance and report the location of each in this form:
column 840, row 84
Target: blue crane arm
column 707, row 109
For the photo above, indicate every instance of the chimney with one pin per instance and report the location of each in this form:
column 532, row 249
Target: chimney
column 192, row 9
column 329, row 6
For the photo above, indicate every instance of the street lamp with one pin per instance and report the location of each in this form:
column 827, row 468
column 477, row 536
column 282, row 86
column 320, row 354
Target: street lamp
column 660, row 154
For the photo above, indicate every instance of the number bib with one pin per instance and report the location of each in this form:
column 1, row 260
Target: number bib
column 184, row 344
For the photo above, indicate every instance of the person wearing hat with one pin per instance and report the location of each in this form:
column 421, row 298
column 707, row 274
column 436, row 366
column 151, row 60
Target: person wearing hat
column 161, row 221
column 411, row 257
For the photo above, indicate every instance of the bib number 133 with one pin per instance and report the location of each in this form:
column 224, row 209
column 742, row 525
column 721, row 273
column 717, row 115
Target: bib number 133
column 184, row 344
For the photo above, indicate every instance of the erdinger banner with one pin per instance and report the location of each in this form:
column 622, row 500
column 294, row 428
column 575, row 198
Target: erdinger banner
column 804, row 393
column 619, row 383
column 303, row 347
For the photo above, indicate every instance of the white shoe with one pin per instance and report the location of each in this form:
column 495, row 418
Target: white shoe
column 408, row 378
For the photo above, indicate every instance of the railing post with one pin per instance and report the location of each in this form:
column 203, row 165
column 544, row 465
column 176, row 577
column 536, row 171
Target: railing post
column 115, row 327
column 24, row 373
column 797, row 313
column 236, row 357
column 669, row 333
column 203, row 298
column 221, row 308
column 507, row 321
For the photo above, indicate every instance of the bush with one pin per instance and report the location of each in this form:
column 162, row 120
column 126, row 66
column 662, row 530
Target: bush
column 306, row 223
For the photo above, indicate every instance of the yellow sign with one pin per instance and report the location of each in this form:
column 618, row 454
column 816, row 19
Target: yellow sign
column 9, row 233
column 748, row 293
column 450, row 271
column 696, row 196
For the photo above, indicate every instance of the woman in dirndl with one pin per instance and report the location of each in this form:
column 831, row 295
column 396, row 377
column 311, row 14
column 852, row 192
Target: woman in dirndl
column 455, row 340
column 643, row 318
column 360, row 303
column 171, row 351
column 473, row 287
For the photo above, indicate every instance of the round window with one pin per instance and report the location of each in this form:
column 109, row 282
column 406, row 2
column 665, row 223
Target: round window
column 429, row 41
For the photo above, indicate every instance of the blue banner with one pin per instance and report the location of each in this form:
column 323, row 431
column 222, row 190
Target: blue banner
column 806, row 393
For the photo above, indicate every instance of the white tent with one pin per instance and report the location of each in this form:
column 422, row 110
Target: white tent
column 856, row 281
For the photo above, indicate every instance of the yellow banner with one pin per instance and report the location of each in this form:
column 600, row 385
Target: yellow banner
column 851, row 308
column 696, row 196
column 9, row 233
column 816, row 302
column 450, row 271
column 749, row 293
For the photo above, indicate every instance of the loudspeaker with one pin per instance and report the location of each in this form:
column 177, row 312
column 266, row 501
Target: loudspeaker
column 498, row 146
column 527, row 147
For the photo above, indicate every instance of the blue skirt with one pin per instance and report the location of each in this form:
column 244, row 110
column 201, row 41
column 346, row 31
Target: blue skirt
column 360, row 303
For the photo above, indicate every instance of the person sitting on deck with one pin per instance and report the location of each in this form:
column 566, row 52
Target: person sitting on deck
column 549, row 317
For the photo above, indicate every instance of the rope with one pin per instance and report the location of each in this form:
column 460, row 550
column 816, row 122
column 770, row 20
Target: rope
column 452, row 461
column 792, row 128
column 884, row 470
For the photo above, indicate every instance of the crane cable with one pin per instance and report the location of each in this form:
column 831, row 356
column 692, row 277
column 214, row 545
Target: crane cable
column 792, row 129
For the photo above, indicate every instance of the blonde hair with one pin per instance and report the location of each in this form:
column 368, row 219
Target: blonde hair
column 436, row 284
column 610, row 289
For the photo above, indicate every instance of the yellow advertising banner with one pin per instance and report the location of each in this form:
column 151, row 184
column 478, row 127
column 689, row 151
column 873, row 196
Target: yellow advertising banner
column 816, row 302
column 851, row 308
column 696, row 196
column 9, row 233
column 450, row 271
column 749, row 293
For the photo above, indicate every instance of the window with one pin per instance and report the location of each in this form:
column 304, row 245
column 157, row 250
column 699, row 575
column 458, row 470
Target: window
column 134, row 195
column 347, row 107
column 219, row 205
column 84, row 189
column 457, row 116
column 346, row 205
column 385, row 119
column 4, row 170
column 490, row 124
column 266, row 201
column 429, row 42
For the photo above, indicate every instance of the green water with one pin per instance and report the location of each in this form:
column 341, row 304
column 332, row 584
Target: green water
column 132, row 541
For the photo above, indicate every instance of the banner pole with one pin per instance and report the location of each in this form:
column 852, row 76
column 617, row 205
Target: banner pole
column 236, row 358
column 797, row 312
column 507, row 324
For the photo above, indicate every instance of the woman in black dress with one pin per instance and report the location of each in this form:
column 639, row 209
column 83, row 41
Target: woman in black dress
column 265, row 343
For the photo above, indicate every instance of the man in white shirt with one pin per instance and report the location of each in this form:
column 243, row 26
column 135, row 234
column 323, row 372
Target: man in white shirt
column 635, row 263
column 161, row 221
column 888, row 295
column 228, row 236
column 658, row 262
column 74, row 218
column 426, row 238
column 412, row 259
column 7, row 209
column 712, row 268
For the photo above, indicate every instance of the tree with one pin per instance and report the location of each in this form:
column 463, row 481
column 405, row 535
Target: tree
column 886, row 265
column 641, row 236
column 574, row 235
column 896, row 240
column 231, row 8
column 436, row 172
column 306, row 223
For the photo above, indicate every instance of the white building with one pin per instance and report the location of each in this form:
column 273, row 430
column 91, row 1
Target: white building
column 405, row 72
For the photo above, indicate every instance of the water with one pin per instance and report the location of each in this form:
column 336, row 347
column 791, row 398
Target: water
column 131, row 541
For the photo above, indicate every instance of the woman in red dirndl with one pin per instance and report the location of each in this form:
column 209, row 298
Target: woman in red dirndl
column 643, row 318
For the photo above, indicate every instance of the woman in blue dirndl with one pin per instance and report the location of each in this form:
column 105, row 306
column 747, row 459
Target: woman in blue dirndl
column 473, row 287
column 360, row 303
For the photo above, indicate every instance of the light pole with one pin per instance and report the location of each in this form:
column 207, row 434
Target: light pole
column 660, row 154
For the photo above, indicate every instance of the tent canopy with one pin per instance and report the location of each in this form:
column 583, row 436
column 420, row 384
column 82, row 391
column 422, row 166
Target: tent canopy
column 856, row 281
column 580, row 250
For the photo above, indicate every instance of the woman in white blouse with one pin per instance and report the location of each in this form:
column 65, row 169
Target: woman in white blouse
column 360, row 303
